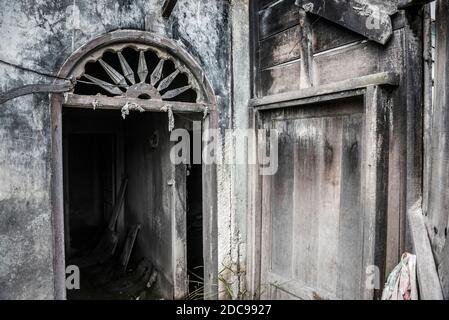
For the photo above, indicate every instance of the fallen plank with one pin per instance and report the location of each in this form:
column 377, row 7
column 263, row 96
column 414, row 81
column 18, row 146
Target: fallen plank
column 128, row 247
column 118, row 205
column 429, row 283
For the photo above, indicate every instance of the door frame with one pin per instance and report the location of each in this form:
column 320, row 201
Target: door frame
column 208, row 99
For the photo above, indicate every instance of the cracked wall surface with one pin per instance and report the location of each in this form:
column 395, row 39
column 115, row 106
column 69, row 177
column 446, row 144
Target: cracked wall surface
column 41, row 35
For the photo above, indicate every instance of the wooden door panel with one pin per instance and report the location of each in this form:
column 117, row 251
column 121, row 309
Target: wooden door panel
column 313, row 218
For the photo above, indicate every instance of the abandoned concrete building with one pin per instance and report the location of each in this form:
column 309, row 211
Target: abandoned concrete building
column 351, row 95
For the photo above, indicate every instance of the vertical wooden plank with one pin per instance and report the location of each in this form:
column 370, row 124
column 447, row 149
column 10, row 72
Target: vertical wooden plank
column 392, row 59
column 438, row 200
column 428, row 103
column 210, row 227
column 306, row 196
column 438, row 217
column 266, row 231
column 67, row 244
column 374, row 187
column 254, row 48
column 179, row 225
column 282, row 203
column 329, row 203
column 165, row 220
column 413, row 54
column 119, row 176
column 57, row 200
column 369, row 194
column 351, row 222
column 254, row 214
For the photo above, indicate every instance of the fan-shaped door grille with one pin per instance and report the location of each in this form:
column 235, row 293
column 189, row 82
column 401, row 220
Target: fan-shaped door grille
column 136, row 73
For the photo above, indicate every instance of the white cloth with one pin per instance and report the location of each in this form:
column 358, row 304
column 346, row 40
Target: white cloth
column 401, row 283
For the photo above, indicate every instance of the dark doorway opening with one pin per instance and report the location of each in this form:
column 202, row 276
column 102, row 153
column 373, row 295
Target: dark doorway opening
column 195, row 261
column 118, row 202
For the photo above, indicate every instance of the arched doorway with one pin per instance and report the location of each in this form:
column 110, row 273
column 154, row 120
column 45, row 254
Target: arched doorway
column 126, row 188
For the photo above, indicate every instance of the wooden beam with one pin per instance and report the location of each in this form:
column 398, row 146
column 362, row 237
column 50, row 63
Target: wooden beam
column 116, row 103
column 168, row 7
column 405, row 4
column 35, row 88
column 379, row 79
column 368, row 19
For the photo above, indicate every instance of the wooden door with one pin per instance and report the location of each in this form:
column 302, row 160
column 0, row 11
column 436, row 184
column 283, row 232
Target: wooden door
column 157, row 200
column 322, row 212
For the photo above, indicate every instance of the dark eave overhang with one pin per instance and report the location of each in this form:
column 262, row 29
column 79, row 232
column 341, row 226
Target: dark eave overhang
column 370, row 18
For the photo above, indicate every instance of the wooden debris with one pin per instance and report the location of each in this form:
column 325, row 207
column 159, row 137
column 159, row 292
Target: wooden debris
column 118, row 205
column 128, row 247
column 429, row 284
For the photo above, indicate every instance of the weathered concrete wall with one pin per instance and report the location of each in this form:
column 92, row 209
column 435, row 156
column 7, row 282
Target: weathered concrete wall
column 41, row 35
column 235, row 223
